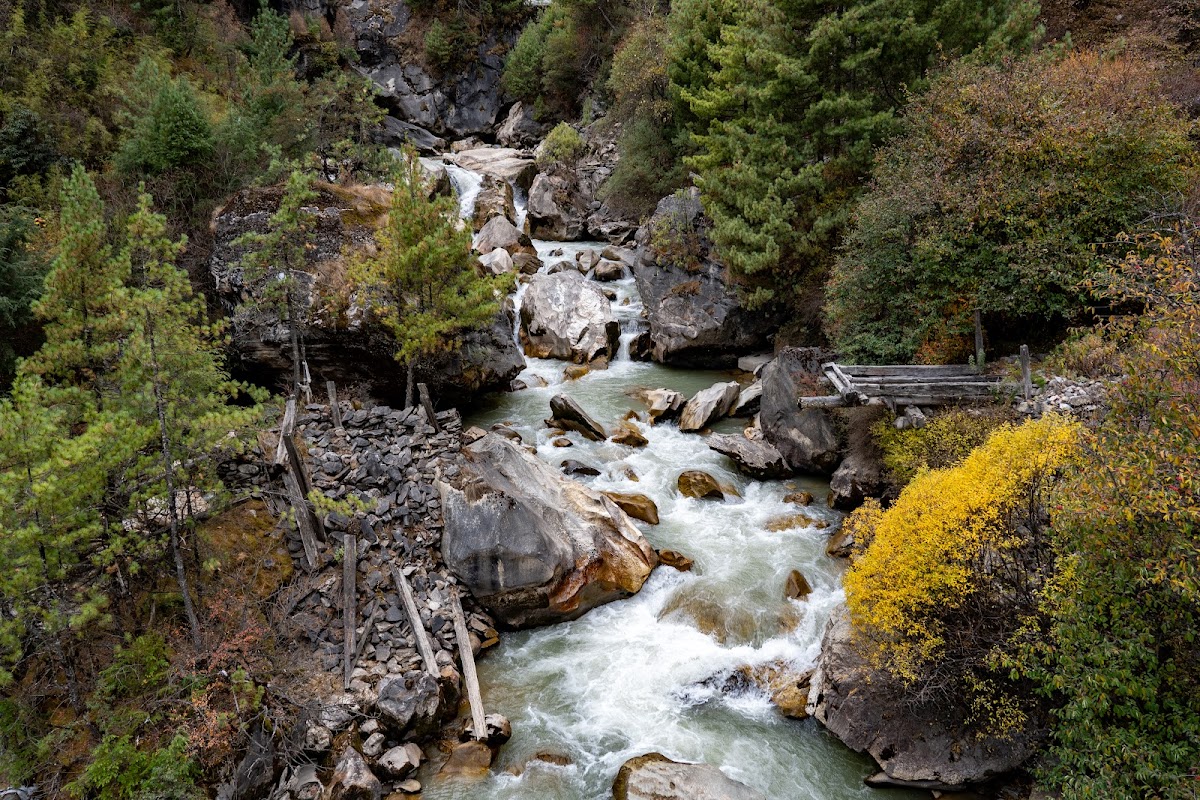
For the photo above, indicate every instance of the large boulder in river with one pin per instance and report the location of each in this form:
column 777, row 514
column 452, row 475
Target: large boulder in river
column 495, row 200
column 708, row 405
column 504, row 163
column 756, row 458
column 656, row 777
column 930, row 746
column 342, row 343
column 566, row 413
column 566, row 316
column 498, row 233
column 532, row 546
column 557, row 211
column 805, row 437
column 695, row 316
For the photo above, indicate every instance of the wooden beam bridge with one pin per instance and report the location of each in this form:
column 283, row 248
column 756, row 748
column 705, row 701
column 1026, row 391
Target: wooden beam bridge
column 899, row 386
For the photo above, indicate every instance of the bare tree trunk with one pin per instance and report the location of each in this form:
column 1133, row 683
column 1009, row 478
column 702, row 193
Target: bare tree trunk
column 172, row 492
column 294, row 333
column 410, row 386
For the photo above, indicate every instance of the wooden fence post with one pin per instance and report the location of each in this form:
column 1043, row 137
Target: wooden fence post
column 427, row 404
column 334, row 409
column 979, row 358
column 1026, row 376
column 349, row 604
column 414, row 619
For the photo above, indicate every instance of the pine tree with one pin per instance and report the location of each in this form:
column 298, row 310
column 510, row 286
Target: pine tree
column 423, row 284
column 276, row 259
column 22, row 274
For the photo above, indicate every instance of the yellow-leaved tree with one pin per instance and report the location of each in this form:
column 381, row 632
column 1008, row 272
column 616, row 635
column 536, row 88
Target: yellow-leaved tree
column 953, row 569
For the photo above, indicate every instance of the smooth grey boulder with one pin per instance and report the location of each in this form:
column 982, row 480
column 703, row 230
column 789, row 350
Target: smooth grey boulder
column 532, row 546
column 749, row 401
column 519, row 128
column 566, row 413
column 709, row 405
column 608, row 271
column 498, row 232
column 497, row 262
column 397, row 132
column 557, row 211
column 758, row 459
column 566, row 316
column 663, row 404
column 504, row 163
column 656, row 777
column 934, row 747
column 695, row 316
column 805, row 437
column 495, row 200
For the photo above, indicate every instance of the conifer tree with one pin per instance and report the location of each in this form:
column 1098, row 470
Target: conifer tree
column 423, row 284
column 275, row 259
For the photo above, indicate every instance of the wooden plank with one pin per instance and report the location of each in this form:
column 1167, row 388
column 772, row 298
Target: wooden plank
column 303, row 514
column 368, row 629
column 285, row 429
column 414, row 619
column 839, row 380
column 1026, row 375
column 872, row 380
column 335, row 410
column 427, row 404
column 474, row 696
column 863, row 370
column 296, row 466
column 963, row 387
column 349, row 604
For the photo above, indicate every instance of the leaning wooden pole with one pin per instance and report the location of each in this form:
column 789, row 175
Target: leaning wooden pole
column 414, row 619
column 427, row 404
column 1026, row 374
column 349, row 605
column 474, row 696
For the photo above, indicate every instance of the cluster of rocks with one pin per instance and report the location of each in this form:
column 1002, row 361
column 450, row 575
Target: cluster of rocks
column 1081, row 397
column 382, row 466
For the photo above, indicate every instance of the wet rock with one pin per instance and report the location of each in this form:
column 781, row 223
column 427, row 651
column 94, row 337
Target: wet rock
column 498, row 730
column 806, row 438
column 567, row 316
column 758, row 459
column 574, row 372
column 627, row 433
column 869, row 711
column 675, row 560
column 499, row 162
column 573, row 467
column 400, row 761
column 526, row 263
column 663, row 404
column 557, row 210
column 532, row 546
column 587, row 260
column 695, row 316
column 620, row 254
column 749, row 401
column 841, row 544
column 698, row 484
column 495, row 200
column 656, row 777
column 468, row 760
column 608, row 271
column 796, row 587
column 353, row 779
column 499, row 233
column 641, row 348
column 638, row 506
column 566, row 413
column 858, row 477
column 799, row 498
column 708, row 405
column 562, row 441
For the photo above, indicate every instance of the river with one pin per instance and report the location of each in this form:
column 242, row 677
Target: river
column 630, row 677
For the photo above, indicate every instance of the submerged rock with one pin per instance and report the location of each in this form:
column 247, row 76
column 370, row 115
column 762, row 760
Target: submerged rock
column 758, row 459
column 567, row 316
column 534, row 547
column 656, row 777
column 698, row 484
column 934, row 747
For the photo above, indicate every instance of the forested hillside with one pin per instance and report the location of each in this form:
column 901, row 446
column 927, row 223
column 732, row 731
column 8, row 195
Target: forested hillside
column 208, row 208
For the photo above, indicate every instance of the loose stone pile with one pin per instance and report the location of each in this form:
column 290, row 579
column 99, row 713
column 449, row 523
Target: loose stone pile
column 1079, row 397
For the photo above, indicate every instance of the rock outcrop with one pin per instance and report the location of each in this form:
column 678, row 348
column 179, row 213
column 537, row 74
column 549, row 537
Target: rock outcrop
column 557, row 211
column 520, row 129
column 856, row 478
column 534, row 547
column 341, row 345
column 932, row 748
column 495, row 200
column 708, row 405
column 805, row 437
column 694, row 314
column 656, row 777
column 567, row 316
column 756, row 458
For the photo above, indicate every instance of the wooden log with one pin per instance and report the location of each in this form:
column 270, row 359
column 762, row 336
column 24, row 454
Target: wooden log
column 427, row 404
column 349, row 604
column 970, row 388
column 474, row 696
column 826, row 401
column 979, row 359
column 414, row 619
column 839, row 379
column 1026, row 376
column 880, row 370
column 285, row 429
column 916, row 377
column 308, row 534
column 296, row 466
column 334, row 409
column 368, row 629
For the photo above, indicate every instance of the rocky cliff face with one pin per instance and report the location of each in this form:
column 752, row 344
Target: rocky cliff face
column 695, row 316
column 340, row 345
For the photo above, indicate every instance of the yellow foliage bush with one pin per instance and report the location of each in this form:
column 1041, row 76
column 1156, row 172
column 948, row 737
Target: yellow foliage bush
column 944, row 538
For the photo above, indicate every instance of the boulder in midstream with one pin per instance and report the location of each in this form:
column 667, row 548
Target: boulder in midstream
column 708, row 405
column 567, row 316
column 566, row 413
column 656, row 777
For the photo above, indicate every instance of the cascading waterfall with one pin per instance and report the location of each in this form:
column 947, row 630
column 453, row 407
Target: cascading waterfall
column 633, row 677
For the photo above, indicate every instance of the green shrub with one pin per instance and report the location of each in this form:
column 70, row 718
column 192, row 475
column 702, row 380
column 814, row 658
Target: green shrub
column 141, row 666
column 120, row 769
column 997, row 195
column 945, row 440
column 174, row 132
column 563, row 145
